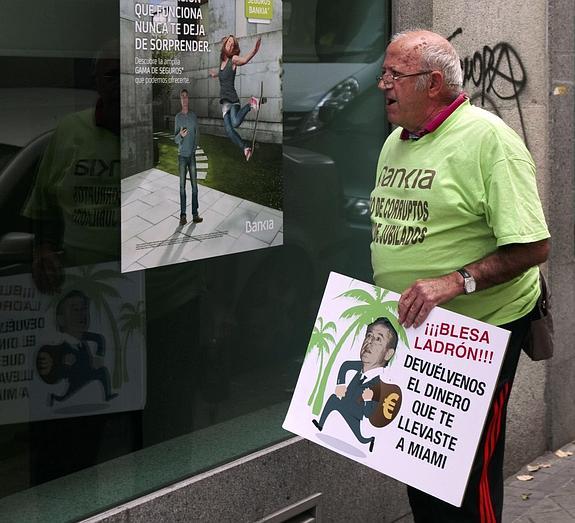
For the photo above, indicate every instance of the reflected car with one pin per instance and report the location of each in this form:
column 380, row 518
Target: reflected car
column 332, row 107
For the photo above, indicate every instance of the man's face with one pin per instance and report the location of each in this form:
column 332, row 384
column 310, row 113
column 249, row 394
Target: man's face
column 374, row 350
column 405, row 106
column 184, row 100
column 75, row 316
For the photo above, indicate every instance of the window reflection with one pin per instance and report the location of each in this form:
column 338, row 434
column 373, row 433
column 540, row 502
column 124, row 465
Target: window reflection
column 193, row 351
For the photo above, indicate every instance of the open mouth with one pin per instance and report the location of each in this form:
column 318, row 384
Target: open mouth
column 390, row 101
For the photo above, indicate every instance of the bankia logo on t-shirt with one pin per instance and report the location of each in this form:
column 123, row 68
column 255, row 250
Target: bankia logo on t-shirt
column 413, row 211
column 94, row 193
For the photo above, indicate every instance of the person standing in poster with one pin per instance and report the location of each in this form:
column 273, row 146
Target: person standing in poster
column 230, row 60
column 186, row 135
column 475, row 224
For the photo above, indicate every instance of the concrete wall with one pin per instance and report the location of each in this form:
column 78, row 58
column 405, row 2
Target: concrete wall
column 222, row 18
column 559, row 64
column 266, row 482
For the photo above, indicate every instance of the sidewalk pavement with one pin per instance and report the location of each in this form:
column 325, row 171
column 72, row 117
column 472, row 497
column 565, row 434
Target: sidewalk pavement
column 547, row 498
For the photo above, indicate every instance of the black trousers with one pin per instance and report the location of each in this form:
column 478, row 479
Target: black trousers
column 483, row 499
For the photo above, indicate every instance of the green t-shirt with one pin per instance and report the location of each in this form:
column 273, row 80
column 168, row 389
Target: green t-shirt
column 78, row 182
column 451, row 198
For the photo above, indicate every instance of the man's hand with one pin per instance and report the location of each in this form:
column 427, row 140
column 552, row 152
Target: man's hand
column 367, row 395
column 69, row 360
column 506, row 263
column 416, row 302
column 183, row 132
column 340, row 391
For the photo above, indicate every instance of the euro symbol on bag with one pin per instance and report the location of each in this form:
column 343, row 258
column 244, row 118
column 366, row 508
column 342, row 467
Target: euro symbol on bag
column 389, row 405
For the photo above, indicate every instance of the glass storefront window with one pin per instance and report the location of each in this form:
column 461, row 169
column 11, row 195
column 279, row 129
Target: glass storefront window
column 115, row 385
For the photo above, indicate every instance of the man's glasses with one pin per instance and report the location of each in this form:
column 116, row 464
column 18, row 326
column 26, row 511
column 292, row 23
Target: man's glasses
column 389, row 78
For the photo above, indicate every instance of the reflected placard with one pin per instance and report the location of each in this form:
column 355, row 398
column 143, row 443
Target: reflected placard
column 77, row 352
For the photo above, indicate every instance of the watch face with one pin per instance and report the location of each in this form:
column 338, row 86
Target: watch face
column 469, row 285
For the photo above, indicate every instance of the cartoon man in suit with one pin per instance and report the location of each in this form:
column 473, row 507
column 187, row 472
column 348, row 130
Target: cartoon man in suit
column 355, row 400
column 72, row 359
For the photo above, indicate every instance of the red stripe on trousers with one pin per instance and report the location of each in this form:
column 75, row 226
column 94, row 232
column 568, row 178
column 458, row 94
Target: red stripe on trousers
column 486, row 512
column 484, row 484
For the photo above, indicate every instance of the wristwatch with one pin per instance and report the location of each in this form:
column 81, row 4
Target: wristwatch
column 468, row 281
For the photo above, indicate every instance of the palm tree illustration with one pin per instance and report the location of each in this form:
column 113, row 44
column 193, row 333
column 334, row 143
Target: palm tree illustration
column 93, row 283
column 132, row 321
column 322, row 339
column 371, row 307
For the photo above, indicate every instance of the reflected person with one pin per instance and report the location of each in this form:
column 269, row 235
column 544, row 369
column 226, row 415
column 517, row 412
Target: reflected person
column 75, row 201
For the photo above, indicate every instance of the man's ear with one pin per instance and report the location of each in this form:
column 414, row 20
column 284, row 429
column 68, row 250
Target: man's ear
column 436, row 83
column 389, row 354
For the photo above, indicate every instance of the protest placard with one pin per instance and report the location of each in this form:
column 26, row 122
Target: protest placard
column 410, row 403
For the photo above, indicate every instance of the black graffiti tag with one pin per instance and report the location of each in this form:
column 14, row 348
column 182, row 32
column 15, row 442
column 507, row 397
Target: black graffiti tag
column 499, row 73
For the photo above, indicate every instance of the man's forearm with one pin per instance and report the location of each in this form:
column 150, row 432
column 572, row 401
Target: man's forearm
column 503, row 265
column 507, row 263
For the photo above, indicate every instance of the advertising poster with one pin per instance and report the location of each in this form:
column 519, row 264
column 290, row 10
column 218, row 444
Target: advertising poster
column 201, row 129
column 78, row 352
column 410, row 403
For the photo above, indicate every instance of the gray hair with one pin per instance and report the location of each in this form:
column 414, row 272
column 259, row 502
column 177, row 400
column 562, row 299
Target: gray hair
column 436, row 57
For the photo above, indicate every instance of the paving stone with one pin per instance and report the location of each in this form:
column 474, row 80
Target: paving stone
column 556, row 516
column 551, row 492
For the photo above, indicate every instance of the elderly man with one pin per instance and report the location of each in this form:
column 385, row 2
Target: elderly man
column 355, row 400
column 456, row 221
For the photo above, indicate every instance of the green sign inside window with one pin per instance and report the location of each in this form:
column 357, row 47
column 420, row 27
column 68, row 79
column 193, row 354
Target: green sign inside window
column 259, row 11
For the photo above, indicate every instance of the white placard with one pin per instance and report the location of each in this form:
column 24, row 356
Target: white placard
column 423, row 423
column 78, row 352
